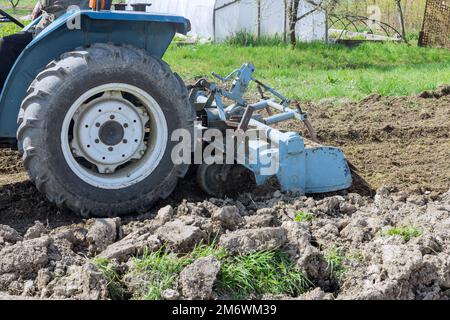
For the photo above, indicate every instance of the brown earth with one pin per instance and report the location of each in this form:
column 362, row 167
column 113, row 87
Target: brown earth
column 401, row 142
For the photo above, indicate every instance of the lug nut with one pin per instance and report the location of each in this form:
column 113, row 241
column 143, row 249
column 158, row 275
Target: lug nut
column 110, row 148
column 97, row 124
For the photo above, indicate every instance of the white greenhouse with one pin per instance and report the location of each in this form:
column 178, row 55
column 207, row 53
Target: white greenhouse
column 217, row 20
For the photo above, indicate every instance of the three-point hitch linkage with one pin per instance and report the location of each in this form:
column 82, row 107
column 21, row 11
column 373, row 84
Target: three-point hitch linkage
column 299, row 165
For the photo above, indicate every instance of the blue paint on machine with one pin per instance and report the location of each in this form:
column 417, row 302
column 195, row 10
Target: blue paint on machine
column 298, row 166
column 151, row 32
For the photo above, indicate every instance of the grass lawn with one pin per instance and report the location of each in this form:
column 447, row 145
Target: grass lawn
column 7, row 29
column 23, row 9
column 316, row 71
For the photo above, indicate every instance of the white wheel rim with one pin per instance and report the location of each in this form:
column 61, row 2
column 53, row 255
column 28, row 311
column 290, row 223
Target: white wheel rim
column 109, row 141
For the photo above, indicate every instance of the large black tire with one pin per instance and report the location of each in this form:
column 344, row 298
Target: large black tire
column 53, row 92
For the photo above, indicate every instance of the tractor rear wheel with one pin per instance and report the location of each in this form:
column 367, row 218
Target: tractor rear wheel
column 95, row 130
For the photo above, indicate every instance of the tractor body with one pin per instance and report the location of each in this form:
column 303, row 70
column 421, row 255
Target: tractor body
column 93, row 108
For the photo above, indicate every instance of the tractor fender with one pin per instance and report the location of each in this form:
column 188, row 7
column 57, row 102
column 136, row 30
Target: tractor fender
column 151, row 32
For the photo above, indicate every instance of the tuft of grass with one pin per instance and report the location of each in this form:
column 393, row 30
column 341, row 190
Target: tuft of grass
column 407, row 233
column 115, row 288
column 267, row 272
column 336, row 260
column 247, row 39
column 159, row 270
column 303, row 216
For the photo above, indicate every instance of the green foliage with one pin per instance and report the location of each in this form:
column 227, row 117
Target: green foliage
column 247, row 39
column 115, row 288
column 239, row 277
column 260, row 273
column 315, row 71
column 7, row 29
column 336, row 260
column 158, row 270
column 407, row 233
column 303, row 216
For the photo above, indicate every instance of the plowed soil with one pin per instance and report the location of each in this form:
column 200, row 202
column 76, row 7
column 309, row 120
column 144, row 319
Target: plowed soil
column 400, row 142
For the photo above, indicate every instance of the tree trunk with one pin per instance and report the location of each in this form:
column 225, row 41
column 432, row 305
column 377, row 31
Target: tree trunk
column 401, row 19
column 293, row 12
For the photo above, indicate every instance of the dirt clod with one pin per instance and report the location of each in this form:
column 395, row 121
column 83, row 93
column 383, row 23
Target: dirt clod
column 179, row 236
column 197, row 279
column 251, row 240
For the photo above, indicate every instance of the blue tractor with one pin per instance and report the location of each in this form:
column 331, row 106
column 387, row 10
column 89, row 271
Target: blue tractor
column 92, row 106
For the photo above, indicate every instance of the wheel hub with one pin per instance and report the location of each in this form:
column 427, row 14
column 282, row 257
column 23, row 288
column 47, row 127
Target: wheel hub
column 109, row 131
column 104, row 155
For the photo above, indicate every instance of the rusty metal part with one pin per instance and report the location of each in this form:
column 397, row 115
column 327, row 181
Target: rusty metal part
column 248, row 113
column 312, row 132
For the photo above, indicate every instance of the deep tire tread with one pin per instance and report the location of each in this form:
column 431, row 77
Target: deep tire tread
column 32, row 123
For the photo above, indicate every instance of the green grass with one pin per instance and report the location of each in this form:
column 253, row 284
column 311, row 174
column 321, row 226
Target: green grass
column 7, row 29
column 303, row 216
column 115, row 287
column 336, row 260
column 159, row 271
column 407, row 233
column 314, row 71
column 24, row 8
column 266, row 272
column 247, row 39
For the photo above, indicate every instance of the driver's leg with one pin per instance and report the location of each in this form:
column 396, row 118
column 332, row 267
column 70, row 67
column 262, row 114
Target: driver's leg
column 10, row 49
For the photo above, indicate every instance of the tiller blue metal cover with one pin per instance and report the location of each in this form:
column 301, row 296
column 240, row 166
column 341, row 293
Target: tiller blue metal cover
column 300, row 165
